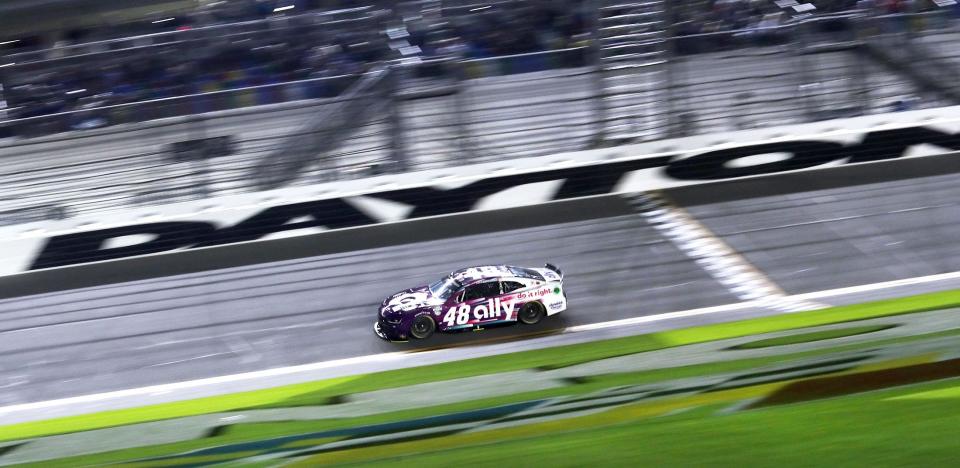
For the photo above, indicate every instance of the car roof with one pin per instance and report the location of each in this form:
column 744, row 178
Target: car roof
column 471, row 274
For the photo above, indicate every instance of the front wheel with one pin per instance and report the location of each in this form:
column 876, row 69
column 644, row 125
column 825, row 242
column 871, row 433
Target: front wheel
column 423, row 326
column 532, row 313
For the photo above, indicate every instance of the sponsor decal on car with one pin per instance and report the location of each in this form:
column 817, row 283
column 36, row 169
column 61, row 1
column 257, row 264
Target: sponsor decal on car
column 532, row 294
column 408, row 301
column 492, row 309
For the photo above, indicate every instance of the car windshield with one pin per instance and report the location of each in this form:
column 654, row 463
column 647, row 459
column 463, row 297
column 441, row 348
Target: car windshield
column 444, row 287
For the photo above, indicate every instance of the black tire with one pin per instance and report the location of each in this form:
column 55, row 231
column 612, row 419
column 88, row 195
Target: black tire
column 422, row 327
column 531, row 313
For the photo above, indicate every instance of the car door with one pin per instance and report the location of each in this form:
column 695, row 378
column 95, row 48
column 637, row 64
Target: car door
column 476, row 304
column 509, row 302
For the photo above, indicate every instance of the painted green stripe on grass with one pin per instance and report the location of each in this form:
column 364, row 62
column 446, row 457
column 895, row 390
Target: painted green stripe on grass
column 887, row 428
column 560, row 356
column 849, row 313
column 241, row 432
column 811, row 337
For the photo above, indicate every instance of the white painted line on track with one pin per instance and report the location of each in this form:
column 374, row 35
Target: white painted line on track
column 191, row 384
column 396, row 356
column 660, row 317
column 725, row 265
column 878, row 286
column 383, row 357
column 178, row 361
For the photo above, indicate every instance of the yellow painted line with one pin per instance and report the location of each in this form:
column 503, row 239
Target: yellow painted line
column 925, row 358
column 938, row 394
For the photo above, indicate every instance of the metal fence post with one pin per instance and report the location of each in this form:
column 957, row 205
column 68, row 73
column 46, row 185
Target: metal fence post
column 861, row 76
column 595, row 61
column 805, row 75
column 395, row 130
column 675, row 121
column 461, row 110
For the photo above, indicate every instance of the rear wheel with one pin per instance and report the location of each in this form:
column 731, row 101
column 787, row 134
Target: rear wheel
column 423, row 326
column 532, row 313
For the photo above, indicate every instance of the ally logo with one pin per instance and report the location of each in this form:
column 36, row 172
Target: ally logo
column 492, row 309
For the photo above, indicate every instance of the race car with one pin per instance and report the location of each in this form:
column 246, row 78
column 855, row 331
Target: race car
column 472, row 299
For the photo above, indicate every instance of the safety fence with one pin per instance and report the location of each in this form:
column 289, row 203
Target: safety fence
column 444, row 112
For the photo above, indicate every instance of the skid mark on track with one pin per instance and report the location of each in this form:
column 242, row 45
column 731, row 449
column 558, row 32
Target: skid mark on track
column 718, row 259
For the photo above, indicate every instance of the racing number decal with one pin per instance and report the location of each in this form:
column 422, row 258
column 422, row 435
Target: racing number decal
column 492, row 309
column 457, row 315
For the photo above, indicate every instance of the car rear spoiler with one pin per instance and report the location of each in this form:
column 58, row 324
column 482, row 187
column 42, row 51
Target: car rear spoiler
column 553, row 267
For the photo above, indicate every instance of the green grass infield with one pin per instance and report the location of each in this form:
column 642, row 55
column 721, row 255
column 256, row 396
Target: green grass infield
column 311, row 393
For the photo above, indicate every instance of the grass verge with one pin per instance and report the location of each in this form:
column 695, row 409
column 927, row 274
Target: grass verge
column 235, row 433
column 812, row 336
column 311, row 392
column 877, row 429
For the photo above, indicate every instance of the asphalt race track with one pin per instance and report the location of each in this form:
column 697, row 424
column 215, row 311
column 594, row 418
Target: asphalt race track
column 322, row 308
column 315, row 309
column 845, row 237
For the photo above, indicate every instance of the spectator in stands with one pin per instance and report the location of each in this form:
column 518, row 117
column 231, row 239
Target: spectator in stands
column 295, row 46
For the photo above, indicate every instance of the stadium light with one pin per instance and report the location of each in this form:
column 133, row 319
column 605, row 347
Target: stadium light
column 283, row 8
column 163, row 20
column 10, row 42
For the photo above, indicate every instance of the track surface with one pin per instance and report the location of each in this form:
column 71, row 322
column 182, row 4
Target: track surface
column 317, row 309
column 846, row 237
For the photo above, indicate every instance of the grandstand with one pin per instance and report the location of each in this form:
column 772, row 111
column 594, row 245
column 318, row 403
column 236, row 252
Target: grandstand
column 215, row 210
column 243, row 96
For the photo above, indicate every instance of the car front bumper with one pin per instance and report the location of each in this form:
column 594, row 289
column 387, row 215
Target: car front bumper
column 388, row 332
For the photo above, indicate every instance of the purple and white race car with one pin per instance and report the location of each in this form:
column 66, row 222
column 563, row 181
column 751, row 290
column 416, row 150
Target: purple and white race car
column 472, row 299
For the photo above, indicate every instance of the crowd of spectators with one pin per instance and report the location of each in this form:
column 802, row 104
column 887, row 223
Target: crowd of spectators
column 209, row 13
column 199, row 61
column 711, row 16
column 290, row 40
column 205, row 52
column 503, row 29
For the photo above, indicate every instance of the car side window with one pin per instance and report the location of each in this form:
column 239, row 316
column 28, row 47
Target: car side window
column 510, row 286
column 481, row 290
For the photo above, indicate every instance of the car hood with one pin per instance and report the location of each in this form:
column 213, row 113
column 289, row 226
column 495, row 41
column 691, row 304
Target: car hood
column 411, row 299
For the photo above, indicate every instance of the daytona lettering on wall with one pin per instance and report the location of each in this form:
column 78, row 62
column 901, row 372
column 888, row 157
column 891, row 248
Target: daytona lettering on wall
column 597, row 179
